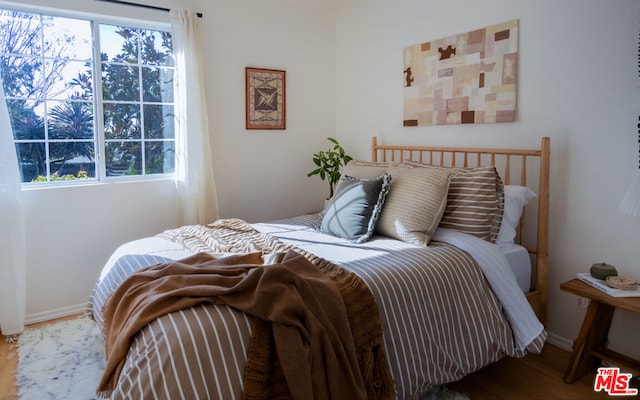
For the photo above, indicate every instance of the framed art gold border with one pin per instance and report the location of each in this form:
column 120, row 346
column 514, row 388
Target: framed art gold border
column 265, row 98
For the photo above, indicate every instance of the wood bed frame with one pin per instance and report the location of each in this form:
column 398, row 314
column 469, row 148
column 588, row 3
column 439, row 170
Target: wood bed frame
column 526, row 167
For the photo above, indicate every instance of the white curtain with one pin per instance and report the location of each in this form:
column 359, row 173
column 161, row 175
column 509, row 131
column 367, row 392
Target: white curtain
column 196, row 198
column 12, row 237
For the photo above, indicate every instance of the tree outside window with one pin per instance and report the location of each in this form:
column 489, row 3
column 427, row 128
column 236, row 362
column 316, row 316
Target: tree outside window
column 49, row 75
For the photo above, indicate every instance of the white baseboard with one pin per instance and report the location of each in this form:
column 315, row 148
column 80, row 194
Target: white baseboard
column 560, row 341
column 53, row 314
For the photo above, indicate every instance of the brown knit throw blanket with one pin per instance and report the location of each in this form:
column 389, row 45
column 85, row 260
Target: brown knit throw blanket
column 350, row 352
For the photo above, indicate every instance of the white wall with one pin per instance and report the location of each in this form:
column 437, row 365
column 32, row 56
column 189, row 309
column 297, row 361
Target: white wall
column 259, row 174
column 262, row 174
column 71, row 232
column 577, row 68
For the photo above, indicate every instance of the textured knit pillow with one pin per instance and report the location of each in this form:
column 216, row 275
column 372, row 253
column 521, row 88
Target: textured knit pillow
column 475, row 201
column 365, row 169
column 414, row 204
column 353, row 210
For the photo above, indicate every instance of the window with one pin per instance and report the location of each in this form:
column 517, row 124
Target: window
column 87, row 99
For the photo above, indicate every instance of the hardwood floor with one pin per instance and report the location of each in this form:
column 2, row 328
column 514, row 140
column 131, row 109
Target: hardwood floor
column 532, row 377
column 528, row 378
column 8, row 364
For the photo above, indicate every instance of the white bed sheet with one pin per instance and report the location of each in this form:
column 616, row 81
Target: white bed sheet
column 520, row 262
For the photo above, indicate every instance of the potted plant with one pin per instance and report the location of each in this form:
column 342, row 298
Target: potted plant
column 329, row 163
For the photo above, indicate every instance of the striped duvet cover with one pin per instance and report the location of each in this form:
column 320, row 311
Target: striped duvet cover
column 441, row 319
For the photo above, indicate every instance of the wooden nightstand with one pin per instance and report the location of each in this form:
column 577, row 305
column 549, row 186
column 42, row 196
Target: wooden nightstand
column 590, row 345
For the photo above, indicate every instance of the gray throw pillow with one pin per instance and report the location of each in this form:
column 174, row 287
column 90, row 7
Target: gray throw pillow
column 353, row 210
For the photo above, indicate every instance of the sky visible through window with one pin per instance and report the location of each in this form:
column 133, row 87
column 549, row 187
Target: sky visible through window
column 58, row 95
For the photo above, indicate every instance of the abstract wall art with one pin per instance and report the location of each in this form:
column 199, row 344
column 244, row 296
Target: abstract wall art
column 265, row 98
column 468, row 78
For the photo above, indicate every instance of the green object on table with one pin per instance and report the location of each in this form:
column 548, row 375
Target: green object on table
column 602, row 270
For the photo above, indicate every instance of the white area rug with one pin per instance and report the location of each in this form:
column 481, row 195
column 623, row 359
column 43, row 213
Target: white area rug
column 443, row 393
column 64, row 360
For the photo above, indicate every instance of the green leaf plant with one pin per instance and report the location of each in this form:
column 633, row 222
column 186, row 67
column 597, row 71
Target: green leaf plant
column 328, row 164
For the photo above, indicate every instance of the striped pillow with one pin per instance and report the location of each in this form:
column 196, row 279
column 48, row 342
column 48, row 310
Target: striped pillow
column 475, row 202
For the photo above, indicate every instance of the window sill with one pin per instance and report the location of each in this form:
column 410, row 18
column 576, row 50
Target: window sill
column 96, row 183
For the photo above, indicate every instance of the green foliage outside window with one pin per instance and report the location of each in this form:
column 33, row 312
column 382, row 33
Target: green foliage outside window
column 49, row 77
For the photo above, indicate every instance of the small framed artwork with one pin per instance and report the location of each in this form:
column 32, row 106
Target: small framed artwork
column 265, row 98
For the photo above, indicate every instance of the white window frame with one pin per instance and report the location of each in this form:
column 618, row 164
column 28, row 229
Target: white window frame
column 100, row 163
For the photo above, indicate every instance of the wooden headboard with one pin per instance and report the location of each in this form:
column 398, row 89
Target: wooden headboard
column 526, row 167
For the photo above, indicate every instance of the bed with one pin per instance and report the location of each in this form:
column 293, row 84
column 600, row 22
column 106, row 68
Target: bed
column 440, row 303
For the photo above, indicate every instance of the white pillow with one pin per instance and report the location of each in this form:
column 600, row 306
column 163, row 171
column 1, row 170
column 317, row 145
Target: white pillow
column 515, row 198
